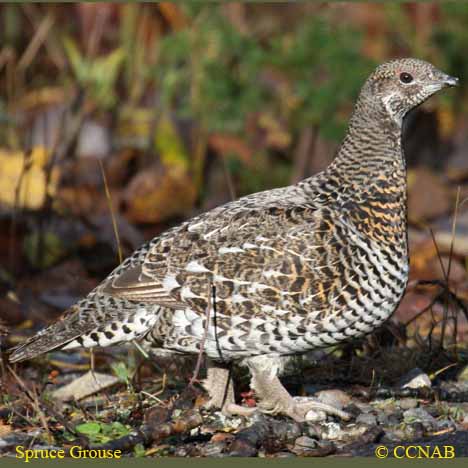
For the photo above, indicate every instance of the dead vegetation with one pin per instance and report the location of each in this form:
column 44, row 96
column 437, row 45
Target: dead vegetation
column 118, row 129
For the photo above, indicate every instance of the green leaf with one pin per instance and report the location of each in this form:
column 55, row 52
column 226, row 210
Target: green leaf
column 77, row 61
column 122, row 371
column 170, row 145
column 53, row 249
column 89, row 428
column 139, row 450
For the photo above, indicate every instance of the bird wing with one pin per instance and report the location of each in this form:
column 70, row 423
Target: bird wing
column 244, row 245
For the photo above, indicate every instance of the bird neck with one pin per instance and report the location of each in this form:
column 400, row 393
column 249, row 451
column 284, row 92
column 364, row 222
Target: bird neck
column 371, row 156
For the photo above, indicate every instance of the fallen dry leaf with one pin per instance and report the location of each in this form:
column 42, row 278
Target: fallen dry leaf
column 32, row 178
column 157, row 194
column 5, row 429
column 87, row 384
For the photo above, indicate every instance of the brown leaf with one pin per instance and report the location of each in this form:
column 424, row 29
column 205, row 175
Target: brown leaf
column 5, row 429
column 157, row 194
column 228, row 145
column 87, row 384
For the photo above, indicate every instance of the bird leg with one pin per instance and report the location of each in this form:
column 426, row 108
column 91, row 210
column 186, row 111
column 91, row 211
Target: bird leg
column 218, row 384
column 275, row 399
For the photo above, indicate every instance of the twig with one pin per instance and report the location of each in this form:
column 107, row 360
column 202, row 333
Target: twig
column 35, row 402
column 203, row 340
column 215, row 324
column 112, row 213
column 36, row 42
column 149, row 433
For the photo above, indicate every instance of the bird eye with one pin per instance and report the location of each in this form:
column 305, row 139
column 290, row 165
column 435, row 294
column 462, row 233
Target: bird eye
column 406, row 78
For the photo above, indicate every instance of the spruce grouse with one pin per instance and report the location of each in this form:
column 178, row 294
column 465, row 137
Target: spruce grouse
column 277, row 273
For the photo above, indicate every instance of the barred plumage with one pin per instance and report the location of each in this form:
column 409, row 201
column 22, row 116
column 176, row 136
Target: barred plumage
column 293, row 269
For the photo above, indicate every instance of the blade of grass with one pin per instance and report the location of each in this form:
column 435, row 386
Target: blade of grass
column 111, row 210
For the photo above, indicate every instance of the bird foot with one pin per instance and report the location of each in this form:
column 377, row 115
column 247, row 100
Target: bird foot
column 219, row 386
column 232, row 409
column 301, row 409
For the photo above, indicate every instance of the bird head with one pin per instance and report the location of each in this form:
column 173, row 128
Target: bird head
column 402, row 84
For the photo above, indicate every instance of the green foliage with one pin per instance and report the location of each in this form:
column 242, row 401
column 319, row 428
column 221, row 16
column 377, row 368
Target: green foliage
column 100, row 432
column 97, row 75
column 53, row 249
column 217, row 75
column 123, row 372
column 314, row 58
column 139, row 450
column 210, row 72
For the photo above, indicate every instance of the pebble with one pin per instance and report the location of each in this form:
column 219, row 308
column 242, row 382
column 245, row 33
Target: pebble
column 314, row 416
column 367, row 418
column 382, row 418
column 213, row 449
column 306, row 442
column 415, row 378
column 463, row 375
column 336, row 398
column 333, row 431
column 414, row 415
column 305, row 446
column 363, row 407
column 221, row 437
column 408, row 403
column 395, row 418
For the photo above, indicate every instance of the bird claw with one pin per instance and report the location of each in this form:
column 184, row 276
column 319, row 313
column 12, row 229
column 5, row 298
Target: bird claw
column 233, row 409
column 313, row 410
column 300, row 411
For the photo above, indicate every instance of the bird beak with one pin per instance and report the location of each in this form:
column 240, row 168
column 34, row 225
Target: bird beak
column 451, row 81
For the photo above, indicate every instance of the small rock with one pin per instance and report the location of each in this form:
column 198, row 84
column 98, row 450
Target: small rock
column 241, row 448
column 419, row 415
column 307, row 447
column 367, row 418
column 331, row 430
column 416, row 378
column 221, row 437
column 335, row 397
column 395, row 418
column 444, row 424
column 463, row 375
column 363, row 407
column 285, row 431
column 392, row 436
column 350, row 432
column 306, row 442
column 181, row 451
column 382, row 418
column 313, row 430
column 213, row 449
column 408, row 403
column 354, row 410
column 314, row 416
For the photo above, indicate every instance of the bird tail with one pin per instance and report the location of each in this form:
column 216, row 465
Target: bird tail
column 55, row 336
column 75, row 330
